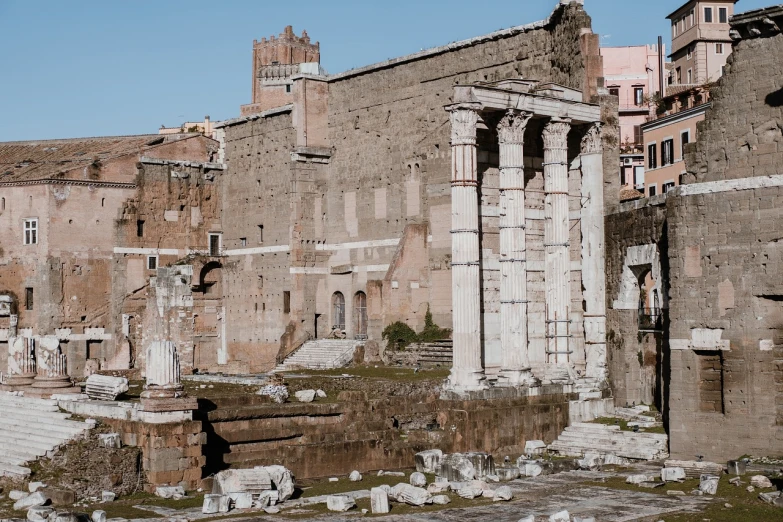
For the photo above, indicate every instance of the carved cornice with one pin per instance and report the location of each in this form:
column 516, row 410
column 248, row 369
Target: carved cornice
column 463, row 124
column 556, row 134
column 591, row 141
column 511, row 128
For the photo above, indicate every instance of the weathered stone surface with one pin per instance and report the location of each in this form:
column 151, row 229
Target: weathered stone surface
column 535, row 447
column 503, row 493
column 708, row 484
column 583, row 519
column 105, row 387
column 305, row 395
column 98, row 516
column 412, row 495
column 506, row 474
column 32, row 487
column 769, row 496
column 560, row 516
column 170, row 492
column 320, row 394
column 339, row 503
column 254, row 480
column 39, row 513
column 15, row 494
column 108, row 496
column 110, row 440
column 418, row 479
column 456, row 467
column 760, row 481
column 39, row 498
column 379, row 501
column 243, row 500
column 428, row 461
column 672, row 474
column 529, row 518
column 355, row 476
column 283, row 480
column 470, row 492
column 591, row 461
column 439, row 486
column 638, row 479
column 441, row 500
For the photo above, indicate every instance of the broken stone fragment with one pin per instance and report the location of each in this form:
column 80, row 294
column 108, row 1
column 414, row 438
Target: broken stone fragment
column 441, row 500
column 269, row 498
column 320, row 394
column 255, row 481
column 418, row 479
column 529, row 518
column 750, row 489
column 535, row 447
column 110, row 440
column 170, row 492
column 560, row 516
column 675, row 493
column 379, row 501
column 637, row 479
column 507, row 474
column 339, row 503
column 412, row 495
column 708, row 484
column 211, row 504
column 108, row 496
column 224, row 504
column 39, row 513
column 503, row 493
column 529, row 468
column 439, row 486
column 38, row 498
column 584, row 519
column 305, row 395
column 591, row 461
column 242, row 500
column 15, row 494
column 98, row 516
column 35, row 486
column 271, row 510
column 470, row 492
column 428, row 461
column 769, row 497
column 735, row 480
column 105, row 387
column 456, row 467
column 672, row 474
column 355, row 476
column 283, row 480
column 760, row 481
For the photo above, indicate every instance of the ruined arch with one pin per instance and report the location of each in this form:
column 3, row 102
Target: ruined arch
column 338, row 311
column 360, row 315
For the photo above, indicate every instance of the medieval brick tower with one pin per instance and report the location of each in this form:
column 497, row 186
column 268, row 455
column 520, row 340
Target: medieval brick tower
column 275, row 62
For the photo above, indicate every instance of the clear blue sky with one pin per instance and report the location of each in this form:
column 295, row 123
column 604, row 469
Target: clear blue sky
column 108, row 67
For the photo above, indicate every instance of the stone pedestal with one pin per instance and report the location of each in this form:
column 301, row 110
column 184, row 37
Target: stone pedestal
column 52, row 365
column 163, row 372
column 467, row 372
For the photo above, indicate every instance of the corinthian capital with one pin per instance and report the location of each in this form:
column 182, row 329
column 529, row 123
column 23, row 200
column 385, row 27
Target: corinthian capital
column 591, row 141
column 511, row 128
column 463, row 125
column 556, row 134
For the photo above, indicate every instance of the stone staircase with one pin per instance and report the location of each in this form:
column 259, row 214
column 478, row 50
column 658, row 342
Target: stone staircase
column 320, row 354
column 435, row 353
column 582, row 437
column 30, row 429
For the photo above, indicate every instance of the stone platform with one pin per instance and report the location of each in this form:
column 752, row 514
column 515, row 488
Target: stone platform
column 40, row 393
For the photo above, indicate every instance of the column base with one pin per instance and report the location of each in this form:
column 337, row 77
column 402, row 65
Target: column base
column 174, row 391
column 522, row 377
column 561, row 373
column 464, row 380
column 25, row 379
column 62, row 381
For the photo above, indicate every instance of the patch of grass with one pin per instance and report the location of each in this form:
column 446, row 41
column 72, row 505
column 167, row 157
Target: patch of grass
column 315, row 488
column 614, row 421
column 381, row 372
column 124, row 507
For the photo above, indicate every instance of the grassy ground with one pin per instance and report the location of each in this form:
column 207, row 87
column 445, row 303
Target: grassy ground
column 745, row 506
column 392, row 373
column 611, row 421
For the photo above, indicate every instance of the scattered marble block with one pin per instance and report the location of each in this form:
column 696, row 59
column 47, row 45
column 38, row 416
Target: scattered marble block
column 675, row 493
column 769, row 497
column 355, row 476
column 39, row 513
column 108, row 496
column 38, row 498
column 283, row 480
column 672, row 474
column 243, row 500
column 305, row 395
column 470, row 492
column 439, row 486
column 320, row 394
column 736, row 467
column 529, row 518
column 15, row 494
column 269, row 498
column 255, row 481
column 503, row 493
column 271, row 510
column 174, row 492
column 110, row 440
column 224, row 504
column 637, row 479
column 379, row 501
column 760, row 481
column 339, row 503
column 584, row 519
column 412, row 495
column 507, row 474
column 428, row 461
column 708, row 484
column 35, row 486
column 591, row 461
column 98, row 516
column 535, row 447
column 456, row 467
column 418, row 479
column 560, row 516
column 105, row 387
column 64, row 517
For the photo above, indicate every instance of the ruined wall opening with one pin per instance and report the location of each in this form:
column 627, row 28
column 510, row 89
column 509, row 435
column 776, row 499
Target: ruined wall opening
column 338, row 311
column 360, row 315
column 710, row 367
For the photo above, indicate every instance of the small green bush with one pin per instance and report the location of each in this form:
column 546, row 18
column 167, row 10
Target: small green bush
column 401, row 335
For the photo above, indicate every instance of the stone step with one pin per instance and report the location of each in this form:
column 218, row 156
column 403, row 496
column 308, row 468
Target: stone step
column 51, row 438
column 609, row 441
column 28, row 403
column 21, row 450
column 630, row 453
column 13, row 471
column 12, row 459
column 22, row 439
column 60, row 421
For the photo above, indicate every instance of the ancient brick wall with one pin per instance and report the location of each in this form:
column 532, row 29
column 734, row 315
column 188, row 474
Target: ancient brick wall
column 725, row 255
column 742, row 136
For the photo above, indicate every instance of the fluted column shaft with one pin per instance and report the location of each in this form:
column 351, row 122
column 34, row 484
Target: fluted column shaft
column 557, row 271
column 467, row 372
column 513, row 251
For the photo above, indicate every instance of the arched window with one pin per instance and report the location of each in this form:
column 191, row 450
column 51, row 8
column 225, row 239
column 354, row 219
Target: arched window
column 338, row 311
column 360, row 314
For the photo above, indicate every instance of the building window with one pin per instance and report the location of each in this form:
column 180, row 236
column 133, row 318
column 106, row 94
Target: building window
column 718, row 48
column 708, row 15
column 685, row 138
column 152, row 262
column 691, row 18
column 638, row 174
column 214, row 244
column 338, row 311
column 638, row 95
column 243, row 241
column 667, row 152
column 651, row 190
column 288, row 88
column 31, row 231
column 667, row 187
column 652, row 156
column 690, row 76
column 614, row 91
column 286, row 302
column 140, row 228
column 689, row 55
column 260, row 233
column 678, row 75
column 723, row 15
column 28, row 298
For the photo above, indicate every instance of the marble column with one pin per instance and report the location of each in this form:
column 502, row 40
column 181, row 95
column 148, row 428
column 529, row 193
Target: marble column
column 52, row 366
column 515, row 370
column 467, row 372
column 557, row 267
column 21, row 361
column 162, row 372
column 594, row 253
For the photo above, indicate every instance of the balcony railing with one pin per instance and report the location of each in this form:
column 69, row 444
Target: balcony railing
column 650, row 319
